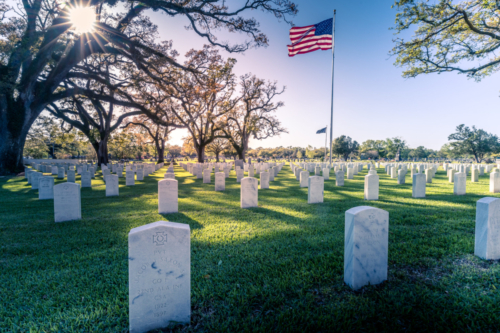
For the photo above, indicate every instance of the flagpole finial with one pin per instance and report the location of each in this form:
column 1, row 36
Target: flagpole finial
column 335, row 11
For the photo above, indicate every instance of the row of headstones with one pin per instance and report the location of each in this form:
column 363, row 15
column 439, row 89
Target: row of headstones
column 87, row 171
column 160, row 260
column 133, row 172
column 67, row 197
column 204, row 170
column 34, row 177
column 302, row 172
column 482, row 168
column 168, row 190
column 458, row 178
column 139, row 169
column 315, row 184
column 419, row 180
column 60, row 169
column 198, row 169
column 55, row 168
column 168, row 193
column 45, row 184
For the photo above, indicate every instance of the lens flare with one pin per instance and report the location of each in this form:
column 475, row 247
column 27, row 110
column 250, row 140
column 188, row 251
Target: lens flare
column 82, row 18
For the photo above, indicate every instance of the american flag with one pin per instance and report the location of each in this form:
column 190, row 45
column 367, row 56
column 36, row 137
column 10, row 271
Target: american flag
column 311, row 38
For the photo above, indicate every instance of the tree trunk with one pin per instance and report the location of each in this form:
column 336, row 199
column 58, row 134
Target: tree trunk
column 101, row 150
column 217, row 157
column 102, row 153
column 160, row 147
column 200, row 152
column 14, row 127
column 11, row 153
column 241, row 155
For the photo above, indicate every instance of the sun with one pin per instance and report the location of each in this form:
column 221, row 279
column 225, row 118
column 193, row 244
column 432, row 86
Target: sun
column 82, row 18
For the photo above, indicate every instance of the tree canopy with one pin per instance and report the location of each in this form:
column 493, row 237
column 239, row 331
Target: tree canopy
column 449, row 36
column 473, row 141
column 344, row 146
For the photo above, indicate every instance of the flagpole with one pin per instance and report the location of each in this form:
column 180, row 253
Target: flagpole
column 326, row 138
column 333, row 62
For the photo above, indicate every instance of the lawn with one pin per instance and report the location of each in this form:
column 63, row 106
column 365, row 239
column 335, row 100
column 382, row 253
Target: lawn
column 278, row 267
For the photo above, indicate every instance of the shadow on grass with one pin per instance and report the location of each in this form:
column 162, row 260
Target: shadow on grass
column 182, row 218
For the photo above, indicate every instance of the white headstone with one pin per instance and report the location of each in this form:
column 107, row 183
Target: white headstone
column 220, row 181
column 451, row 175
column 240, row 173
column 272, row 173
column 140, row 174
column 474, row 175
column 487, row 242
column 394, row 172
column 199, row 172
column 67, row 202
column 371, row 187
column 326, row 173
column 460, row 183
column 339, row 178
column 61, row 173
column 35, row 176
column 168, row 196
column 495, row 181
column 249, row 196
column 85, row 179
column 350, row 173
column 401, row 176
column 304, row 178
column 129, row 178
column 250, row 171
column 159, row 256
column 428, row 176
column 418, row 188
column 45, row 188
column 366, row 246
column 71, row 176
column 112, row 188
column 297, row 173
column 264, row 180
column 207, row 176
column 316, row 187
column 28, row 175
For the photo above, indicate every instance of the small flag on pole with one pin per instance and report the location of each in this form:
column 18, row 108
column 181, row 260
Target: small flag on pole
column 323, row 130
column 311, row 38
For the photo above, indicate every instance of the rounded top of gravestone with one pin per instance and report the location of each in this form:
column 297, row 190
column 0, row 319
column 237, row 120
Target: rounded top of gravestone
column 159, row 224
column 363, row 209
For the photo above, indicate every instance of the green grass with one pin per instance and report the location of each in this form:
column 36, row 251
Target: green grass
column 278, row 267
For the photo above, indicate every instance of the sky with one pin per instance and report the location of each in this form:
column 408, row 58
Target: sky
column 372, row 99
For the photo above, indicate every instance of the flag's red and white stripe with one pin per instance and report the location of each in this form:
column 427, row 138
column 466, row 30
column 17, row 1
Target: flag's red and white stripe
column 304, row 40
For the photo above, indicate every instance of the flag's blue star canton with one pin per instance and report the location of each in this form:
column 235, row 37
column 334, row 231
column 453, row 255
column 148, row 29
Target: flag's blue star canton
column 324, row 28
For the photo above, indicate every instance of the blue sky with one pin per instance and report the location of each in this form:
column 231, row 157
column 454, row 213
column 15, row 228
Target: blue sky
column 372, row 100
